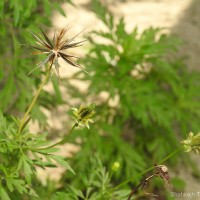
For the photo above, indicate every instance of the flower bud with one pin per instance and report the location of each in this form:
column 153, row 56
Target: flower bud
column 115, row 166
column 83, row 115
column 192, row 143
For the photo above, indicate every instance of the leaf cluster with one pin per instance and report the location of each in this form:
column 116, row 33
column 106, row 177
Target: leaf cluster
column 20, row 154
column 153, row 89
column 18, row 16
column 156, row 97
column 96, row 184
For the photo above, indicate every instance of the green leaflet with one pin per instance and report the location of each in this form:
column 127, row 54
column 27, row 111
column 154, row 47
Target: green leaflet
column 3, row 194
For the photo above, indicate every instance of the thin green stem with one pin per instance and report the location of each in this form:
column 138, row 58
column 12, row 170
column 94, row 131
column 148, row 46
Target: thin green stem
column 171, row 154
column 62, row 141
column 150, row 168
column 25, row 117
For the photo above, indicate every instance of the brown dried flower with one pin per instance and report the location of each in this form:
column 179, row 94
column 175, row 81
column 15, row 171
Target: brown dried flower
column 54, row 49
column 159, row 171
column 162, row 172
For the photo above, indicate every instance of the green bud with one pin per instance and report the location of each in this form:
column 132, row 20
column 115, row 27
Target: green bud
column 83, row 115
column 192, row 143
column 115, row 166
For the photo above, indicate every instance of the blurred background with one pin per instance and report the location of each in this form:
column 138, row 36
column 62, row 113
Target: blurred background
column 142, row 62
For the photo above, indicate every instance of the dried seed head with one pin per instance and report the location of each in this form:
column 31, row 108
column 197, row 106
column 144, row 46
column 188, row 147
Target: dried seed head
column 162, row 172
column 53, row 49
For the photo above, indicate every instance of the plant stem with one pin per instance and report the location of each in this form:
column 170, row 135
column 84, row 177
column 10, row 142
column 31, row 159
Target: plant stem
column 171, row 154
column 62, row 141
column 150, row 168
column 25, row 117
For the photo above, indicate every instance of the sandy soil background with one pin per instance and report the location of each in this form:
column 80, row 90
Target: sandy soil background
column 179, row 17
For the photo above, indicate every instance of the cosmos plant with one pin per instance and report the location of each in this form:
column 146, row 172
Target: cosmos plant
column 53, row 49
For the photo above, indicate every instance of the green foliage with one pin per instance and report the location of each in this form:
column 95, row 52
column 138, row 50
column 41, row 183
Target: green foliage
column 135, row 67
column 18, row 16
column 151, row 100
column 156, row 98
column 20, row 154
column 22, row 13
column 178, row 183
column 153, row 89
column 96, row 185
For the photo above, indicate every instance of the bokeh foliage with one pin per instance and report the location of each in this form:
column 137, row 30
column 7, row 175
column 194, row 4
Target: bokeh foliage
column 17, row 18
column 152, row 100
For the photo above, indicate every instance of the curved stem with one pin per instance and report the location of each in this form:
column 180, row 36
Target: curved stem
column 171, row 154
column 150, row 168
column 62, row 141
column 24, row 119
column 142, row 184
